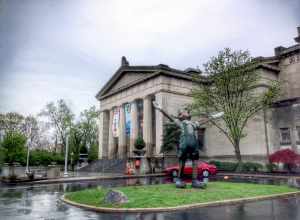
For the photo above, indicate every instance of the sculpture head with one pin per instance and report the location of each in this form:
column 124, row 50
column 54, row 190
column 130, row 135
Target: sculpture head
column 184, row 115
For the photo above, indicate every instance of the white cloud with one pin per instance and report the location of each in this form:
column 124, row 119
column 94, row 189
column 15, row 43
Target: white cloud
column 69, row 49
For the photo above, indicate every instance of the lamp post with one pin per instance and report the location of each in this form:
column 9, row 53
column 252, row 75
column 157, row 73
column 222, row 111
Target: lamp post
column 27, row 171
column 66, row 153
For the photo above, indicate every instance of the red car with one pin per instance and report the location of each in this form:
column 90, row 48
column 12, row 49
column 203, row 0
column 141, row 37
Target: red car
column 204, row 169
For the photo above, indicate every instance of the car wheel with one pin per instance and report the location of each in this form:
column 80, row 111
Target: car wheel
column 174, row 173
column 205, row 173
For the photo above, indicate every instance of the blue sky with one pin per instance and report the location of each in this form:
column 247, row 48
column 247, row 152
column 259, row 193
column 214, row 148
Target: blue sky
column 52, row 49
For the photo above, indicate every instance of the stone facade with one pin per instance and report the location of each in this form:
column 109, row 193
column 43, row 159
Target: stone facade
column 268, row 131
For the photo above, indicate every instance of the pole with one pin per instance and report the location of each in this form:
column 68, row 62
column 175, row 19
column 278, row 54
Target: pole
column 27, row 161
column 28, row 152
column 66, row 154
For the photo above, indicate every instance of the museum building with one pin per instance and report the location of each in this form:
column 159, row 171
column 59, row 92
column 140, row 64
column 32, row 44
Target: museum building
column 127, row 111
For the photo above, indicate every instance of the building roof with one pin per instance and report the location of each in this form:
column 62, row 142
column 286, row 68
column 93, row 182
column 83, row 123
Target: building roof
column 268, row 63
column 151, row 71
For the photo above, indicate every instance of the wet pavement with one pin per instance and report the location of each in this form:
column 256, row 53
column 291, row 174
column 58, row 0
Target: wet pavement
column 43, row 202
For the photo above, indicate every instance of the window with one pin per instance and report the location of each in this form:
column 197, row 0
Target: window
column 285, row 136
column 201, row 135
column 298, row 134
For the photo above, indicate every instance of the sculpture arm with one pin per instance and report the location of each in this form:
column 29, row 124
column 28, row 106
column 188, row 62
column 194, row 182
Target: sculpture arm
column 156, row 106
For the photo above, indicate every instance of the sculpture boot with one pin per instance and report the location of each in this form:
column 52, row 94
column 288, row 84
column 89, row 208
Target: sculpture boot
column 180, row 184
column 197, row 184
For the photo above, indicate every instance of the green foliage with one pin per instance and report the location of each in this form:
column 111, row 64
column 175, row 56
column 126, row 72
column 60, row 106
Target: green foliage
column 252, row 167
column 271, row 167
column 224, row 166
column 232, row 166
column 14, row 145
column 45, row 158
column 61, row 117
column 232, row 86
column 2, row 156
column 93, row 153
column 171, row 137
column 11, row 122
column 139, row 143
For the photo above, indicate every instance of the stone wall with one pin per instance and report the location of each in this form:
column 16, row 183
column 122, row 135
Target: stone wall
column 290, row 75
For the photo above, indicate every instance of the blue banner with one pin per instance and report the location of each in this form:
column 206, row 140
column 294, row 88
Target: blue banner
column 127, row 118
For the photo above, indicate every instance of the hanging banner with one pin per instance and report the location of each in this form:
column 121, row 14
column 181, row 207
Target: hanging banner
column 127, row 118
column 115, row 124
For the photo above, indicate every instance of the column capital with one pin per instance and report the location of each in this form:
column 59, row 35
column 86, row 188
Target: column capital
column 149, row 96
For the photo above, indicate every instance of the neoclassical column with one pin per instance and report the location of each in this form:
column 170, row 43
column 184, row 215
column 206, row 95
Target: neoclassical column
column 103, row 134
column 147, row 125
column 122, row 134
column 159, row 122
column 134, row 126
column 111, row 143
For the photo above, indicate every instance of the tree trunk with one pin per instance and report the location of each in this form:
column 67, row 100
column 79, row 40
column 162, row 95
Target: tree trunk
column 238, row 155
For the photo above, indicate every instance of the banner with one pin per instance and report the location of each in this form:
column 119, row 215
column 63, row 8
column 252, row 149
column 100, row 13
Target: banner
column 116, row 120
column 127, row 118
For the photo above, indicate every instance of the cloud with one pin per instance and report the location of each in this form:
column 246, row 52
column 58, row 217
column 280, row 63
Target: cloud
column 69, row 49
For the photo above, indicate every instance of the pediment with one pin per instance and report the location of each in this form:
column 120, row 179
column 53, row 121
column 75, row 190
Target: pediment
column 126, row 79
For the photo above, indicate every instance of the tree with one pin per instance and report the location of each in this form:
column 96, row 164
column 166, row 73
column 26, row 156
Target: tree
column 61, row 117
column 11, row 122
column 14, row 145
column 287, row 157
column 93, row 153
column 171, row 137
column 88, row 126
column 232, row 86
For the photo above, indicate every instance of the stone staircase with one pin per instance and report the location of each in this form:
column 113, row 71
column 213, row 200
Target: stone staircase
column 105, row 166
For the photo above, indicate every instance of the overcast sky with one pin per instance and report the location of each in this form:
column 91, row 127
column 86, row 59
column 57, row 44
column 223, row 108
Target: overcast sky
column 51, row 49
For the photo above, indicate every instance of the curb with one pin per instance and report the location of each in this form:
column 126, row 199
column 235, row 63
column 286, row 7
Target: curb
column 178, row 208
column 92, row 178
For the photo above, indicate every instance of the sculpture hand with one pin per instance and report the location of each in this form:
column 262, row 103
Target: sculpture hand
column 156, row 105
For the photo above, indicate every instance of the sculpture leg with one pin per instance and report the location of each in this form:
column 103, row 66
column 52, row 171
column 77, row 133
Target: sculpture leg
column 179, row 182
column 195, row 182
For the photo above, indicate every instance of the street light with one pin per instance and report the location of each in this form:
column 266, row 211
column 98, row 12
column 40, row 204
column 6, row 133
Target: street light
column 28, row 149
column 66, row 153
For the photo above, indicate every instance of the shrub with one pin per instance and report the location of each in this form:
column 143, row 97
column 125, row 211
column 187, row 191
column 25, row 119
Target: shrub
column 139, row 143
column 14, row 145
column 93, row 153
column 171, row 136
column 288, row 157
column 45, row 158
column 271, row 167
column 252, row 167
column 224, row 166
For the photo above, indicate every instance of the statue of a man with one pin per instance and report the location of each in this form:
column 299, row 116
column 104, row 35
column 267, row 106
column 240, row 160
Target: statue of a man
column 188, row 144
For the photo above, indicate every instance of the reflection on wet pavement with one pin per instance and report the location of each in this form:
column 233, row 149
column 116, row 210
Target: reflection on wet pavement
column 43, row 202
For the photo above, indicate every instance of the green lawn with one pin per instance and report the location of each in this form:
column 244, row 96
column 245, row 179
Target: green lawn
column 166, row 195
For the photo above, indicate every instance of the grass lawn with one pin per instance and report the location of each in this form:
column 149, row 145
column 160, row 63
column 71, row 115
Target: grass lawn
column 166, row 195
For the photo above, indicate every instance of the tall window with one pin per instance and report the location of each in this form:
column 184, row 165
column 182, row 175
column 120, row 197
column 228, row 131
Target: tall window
column 298, row 134
column 140, row 115
column 201, row 135
column 285, row 136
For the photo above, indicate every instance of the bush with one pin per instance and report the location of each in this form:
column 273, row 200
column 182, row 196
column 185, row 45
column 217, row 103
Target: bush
column 14, row 148
column 139, row 143
column 45, row 158
column 93, row 153
column 231, row 166
column 224, row 166
column 252, row 167
column 288, row 157
column 171, row 136
column 271, row 167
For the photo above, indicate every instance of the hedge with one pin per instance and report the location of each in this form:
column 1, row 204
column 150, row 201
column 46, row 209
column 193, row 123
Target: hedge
column 231, row 166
